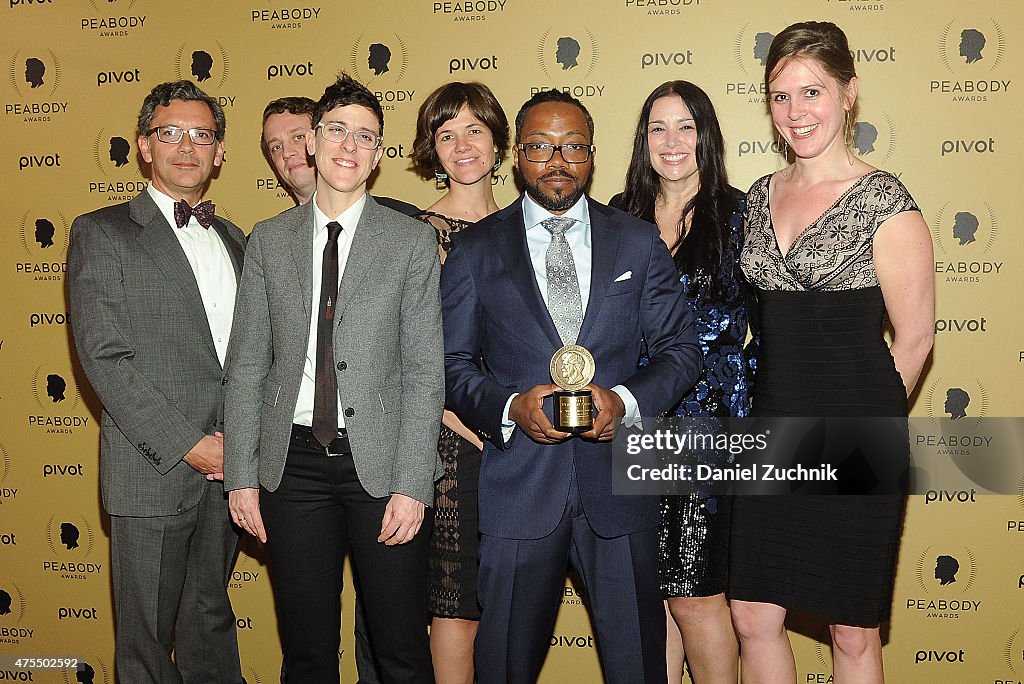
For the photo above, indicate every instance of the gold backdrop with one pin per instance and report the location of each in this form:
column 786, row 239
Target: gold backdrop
column 940, row 107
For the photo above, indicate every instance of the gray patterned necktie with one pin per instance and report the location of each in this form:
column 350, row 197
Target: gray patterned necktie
column 564, row 302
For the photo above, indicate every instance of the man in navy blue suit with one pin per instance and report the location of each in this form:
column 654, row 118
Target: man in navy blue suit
column 558, row 268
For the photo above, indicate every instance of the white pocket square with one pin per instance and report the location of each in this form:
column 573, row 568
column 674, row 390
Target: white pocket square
column 625, row 276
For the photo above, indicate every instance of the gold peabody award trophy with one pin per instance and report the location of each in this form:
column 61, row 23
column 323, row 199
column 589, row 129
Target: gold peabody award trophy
column 572, row 368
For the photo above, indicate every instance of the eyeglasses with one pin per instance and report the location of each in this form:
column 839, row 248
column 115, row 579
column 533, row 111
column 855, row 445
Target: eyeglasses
column 574, row 153
column 337, row 133
column 173, row 134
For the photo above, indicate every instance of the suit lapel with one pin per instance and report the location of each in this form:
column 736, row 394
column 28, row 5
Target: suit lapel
column 604, row 237
column 509, row 239
column 302, row 255
column 158, row 240
column 366, row 245
column 234, row 249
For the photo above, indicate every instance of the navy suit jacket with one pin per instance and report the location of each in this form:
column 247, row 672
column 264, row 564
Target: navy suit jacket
column 493, row 309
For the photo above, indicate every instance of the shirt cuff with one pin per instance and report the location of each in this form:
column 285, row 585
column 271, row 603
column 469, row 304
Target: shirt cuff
column 507, row 426
column 632, row 416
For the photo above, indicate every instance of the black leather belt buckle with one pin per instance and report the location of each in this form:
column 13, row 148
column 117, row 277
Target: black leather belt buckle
column 302, row 435
column 340, row 446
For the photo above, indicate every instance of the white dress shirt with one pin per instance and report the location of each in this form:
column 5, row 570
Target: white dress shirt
column 349, row 220
column 211, row 264
column 578, row 235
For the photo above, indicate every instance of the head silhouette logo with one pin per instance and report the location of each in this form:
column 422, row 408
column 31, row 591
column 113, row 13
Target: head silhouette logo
column 204, row 64
column 762, row 43
column 379, row 58
column 965, row 226
column 5, row 602
column 568, row 52
column 55, row 391
column 35, row 70
column 750, row 50
column 55, row 386
column 957, row 401
column 12, row 604
column 119, row 151
column 864, row 137
column 90, row 670
column 69, row 535
column 85, row 673
column 946, row 568
column 972, row 42
column 45, row 231
column 36, row 73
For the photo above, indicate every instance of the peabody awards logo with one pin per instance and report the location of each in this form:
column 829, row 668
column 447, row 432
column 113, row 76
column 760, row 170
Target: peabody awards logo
column 971, row 53
column 71, row 541
column 13, row 629
column 469, row 10
column 750, row 50
column 567, row 57
column 56, row 395
column 861, row 5
column 114, row 157
column 89, row 670
column 287, row 16
column 34, row 75
column 252, row 677
column 659, row 8
column 1013, row 655
column 113, row 19
column 44, row 239
column 964, row 399
column 380, row 61
column 874, row 139
column 208, row 65
column 965, row 232
column 945, row 576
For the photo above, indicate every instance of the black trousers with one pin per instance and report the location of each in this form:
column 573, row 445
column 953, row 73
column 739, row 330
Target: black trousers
column 318, row 511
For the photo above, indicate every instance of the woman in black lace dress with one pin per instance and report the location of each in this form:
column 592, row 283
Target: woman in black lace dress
column 831, row 246
column 677, row 180
column 462, row 137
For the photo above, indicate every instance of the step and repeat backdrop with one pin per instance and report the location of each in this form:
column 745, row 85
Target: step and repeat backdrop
column 941, row 84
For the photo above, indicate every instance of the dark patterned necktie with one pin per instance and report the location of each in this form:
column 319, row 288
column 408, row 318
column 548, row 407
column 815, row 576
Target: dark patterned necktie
column 325, row 394
column 564, row 301
column 202, row 211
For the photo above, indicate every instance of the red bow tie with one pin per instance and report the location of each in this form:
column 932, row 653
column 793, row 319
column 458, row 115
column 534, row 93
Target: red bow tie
column 202, row 211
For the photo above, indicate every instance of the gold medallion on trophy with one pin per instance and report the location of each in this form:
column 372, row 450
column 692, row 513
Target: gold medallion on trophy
column 572, row 368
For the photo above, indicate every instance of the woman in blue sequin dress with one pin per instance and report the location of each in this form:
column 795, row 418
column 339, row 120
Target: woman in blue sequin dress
column 677, row 180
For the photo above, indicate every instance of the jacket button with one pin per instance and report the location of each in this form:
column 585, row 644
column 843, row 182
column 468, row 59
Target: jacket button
column 180, row 508
column 349, row 412
column 224, row 381
column 342, row 365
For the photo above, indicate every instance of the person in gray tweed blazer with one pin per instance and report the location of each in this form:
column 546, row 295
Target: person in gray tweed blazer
column 367, row 484
column 151, row 289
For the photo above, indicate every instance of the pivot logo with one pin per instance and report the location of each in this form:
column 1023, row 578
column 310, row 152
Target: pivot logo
column 762, row 147
column 30, row 3
column 874, row 139
column 750, row 50
column 117, row 77
column 44, row 238
column 878, row 55
column 281, row 70
column 933, row 656
column 13, row 629
column 39, row 161
column 208, row 65
column 472, row 64
column 960, row 146
column 10, row 539
column 972, row 53
column 70, row 540
column 469, row 10
column 43, row 318
column 284, row 17
column 965, row 232
column 114, row 157
column 572, row 641
column 381, row 61
column 969, row 325
column 57, row 397
column 946, row 576
column 567, row 56
column 90, row 670
column 660, row 7
column 669, row 58
column 69, row 613
column 243, row 623
column 35, row 75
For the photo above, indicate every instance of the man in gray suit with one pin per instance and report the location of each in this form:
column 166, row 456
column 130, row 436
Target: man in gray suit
column 151, row 287
column 334, row 399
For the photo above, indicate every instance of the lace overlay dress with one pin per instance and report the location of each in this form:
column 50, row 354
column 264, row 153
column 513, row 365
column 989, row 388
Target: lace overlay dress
column 821, row 353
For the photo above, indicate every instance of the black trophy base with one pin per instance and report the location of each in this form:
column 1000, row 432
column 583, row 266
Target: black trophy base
column 574, row 411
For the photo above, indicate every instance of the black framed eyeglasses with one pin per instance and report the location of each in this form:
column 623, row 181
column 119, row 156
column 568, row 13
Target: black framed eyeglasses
column 573, row 153
column 337, row 133
column 172, row 135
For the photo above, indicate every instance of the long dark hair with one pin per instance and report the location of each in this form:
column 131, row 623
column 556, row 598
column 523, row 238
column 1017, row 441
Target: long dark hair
column 701, row 248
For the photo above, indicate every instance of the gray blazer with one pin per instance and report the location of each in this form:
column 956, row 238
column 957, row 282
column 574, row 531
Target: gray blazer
column 145, row 345
column 388, row 349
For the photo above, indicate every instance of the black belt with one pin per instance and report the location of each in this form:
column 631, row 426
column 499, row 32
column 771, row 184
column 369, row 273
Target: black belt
column 302, row 436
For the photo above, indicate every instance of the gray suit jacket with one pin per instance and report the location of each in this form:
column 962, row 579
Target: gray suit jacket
column 145, row 344
column 388, row 350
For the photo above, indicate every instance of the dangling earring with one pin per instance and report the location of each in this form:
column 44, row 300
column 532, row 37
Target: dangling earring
column 440, row 180
column 783, row 148
column 497, row 165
